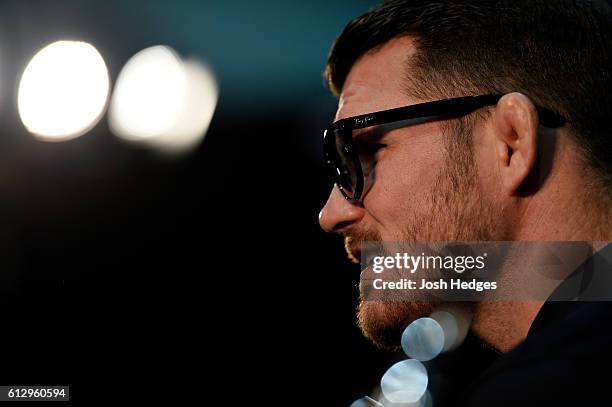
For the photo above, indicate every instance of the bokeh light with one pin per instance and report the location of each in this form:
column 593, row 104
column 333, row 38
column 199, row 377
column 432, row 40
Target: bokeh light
column 423, row 339
column 405, row 382
column 455, row 323
column 162, row 101
column 63, row 91
column 149, row 94
column 198, row 109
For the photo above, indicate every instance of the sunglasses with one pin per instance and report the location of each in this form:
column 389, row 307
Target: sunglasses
column 351, row 162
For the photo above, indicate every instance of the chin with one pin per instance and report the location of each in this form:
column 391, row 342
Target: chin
column 383, row 322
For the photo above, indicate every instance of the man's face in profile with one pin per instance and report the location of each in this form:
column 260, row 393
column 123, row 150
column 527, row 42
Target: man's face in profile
column 424, row 187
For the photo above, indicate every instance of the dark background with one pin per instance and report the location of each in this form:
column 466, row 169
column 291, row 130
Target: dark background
column 128, row 273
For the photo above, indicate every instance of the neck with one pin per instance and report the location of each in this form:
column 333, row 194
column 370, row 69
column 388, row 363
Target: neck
column 504, row 324
column 567, row 206
column 586, row 215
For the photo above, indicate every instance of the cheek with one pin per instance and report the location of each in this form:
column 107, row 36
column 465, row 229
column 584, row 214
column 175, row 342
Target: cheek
column 405, row 177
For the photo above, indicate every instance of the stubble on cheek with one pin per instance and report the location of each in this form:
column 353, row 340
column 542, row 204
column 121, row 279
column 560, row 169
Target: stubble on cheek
column 451, row 210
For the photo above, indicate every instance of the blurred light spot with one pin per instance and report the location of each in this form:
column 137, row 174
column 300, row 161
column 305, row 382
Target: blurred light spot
column 162, row 101
column 366, row 402
column 404, row 382
column 455, row 325
column 149, row 94
column 198, row 110
column 63, row 91
column 423, row 339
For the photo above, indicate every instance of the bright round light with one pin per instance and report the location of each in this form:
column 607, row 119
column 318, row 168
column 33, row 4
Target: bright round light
column 63, row 91
column 197, row 113
column 405, row 382
column 162, row 101
column 423, row 339
column 149, row 94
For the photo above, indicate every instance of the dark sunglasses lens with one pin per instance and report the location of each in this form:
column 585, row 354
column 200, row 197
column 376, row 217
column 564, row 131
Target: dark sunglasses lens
column 344, row 166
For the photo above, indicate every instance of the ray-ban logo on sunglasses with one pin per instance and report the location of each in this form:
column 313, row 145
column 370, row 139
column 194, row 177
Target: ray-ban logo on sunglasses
column 363, row 120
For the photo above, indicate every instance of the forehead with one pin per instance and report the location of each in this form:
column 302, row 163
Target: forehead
column 377, row 81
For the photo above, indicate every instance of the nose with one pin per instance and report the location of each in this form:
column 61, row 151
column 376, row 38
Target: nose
column 338, row 213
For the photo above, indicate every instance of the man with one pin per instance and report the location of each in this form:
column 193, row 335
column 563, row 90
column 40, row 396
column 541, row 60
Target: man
column 533, row 163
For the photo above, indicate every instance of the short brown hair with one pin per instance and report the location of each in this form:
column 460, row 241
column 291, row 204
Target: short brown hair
column 555, row 51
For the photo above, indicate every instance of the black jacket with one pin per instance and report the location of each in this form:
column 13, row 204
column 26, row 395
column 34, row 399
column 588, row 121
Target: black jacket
column 566, row 360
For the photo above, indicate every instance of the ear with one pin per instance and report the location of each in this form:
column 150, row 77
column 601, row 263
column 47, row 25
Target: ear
column 515, row 124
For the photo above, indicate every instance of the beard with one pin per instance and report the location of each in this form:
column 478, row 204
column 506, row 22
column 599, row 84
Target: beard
column 454, row 210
